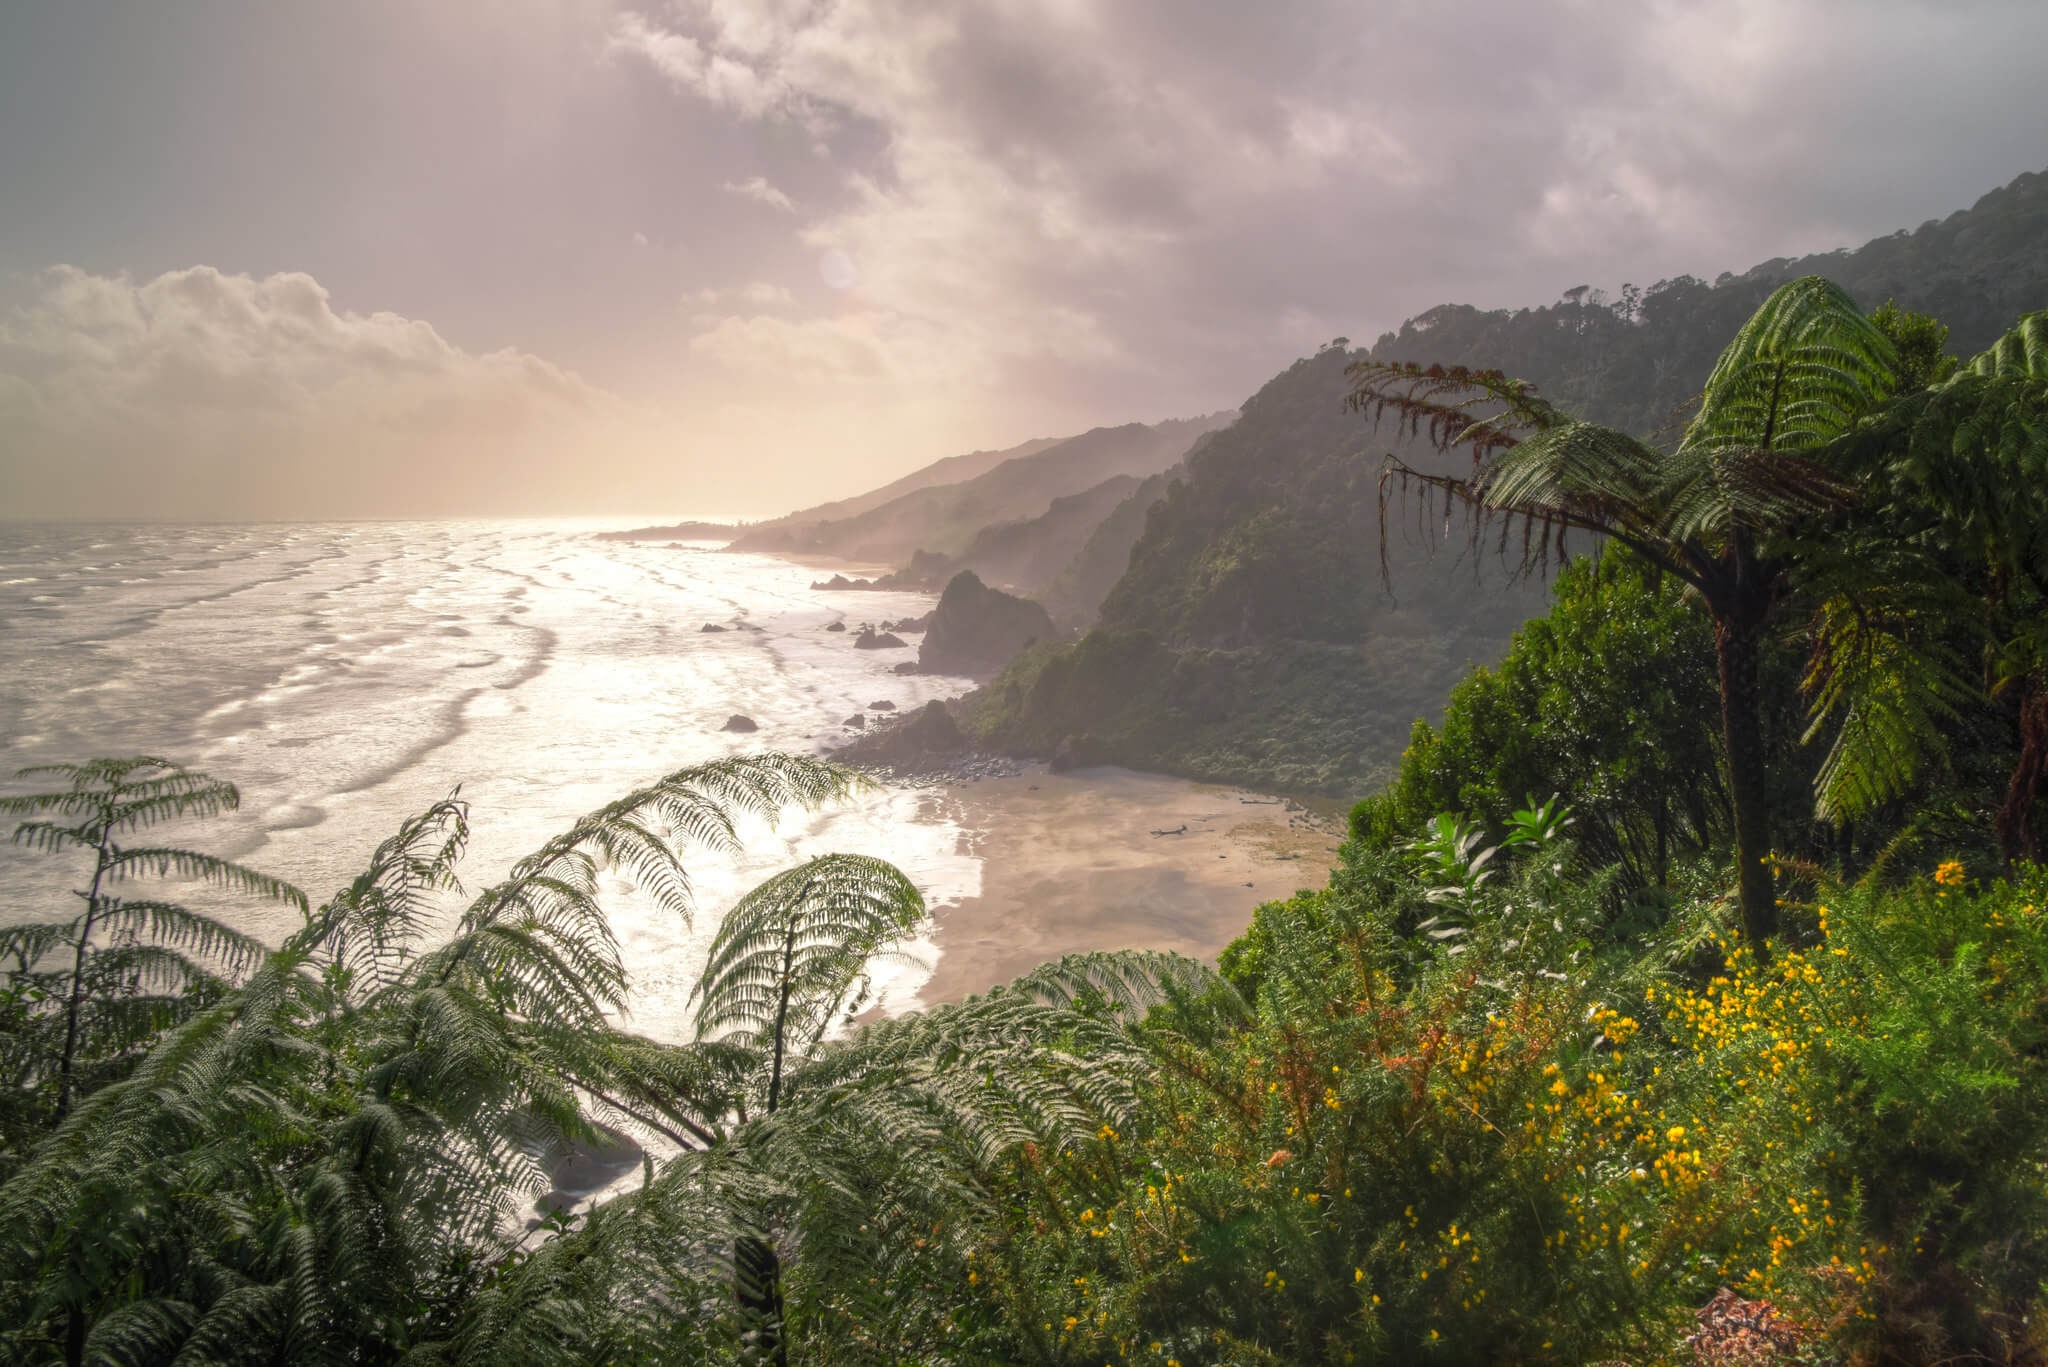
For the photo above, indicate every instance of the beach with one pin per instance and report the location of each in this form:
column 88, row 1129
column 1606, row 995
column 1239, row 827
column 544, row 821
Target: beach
column 1071, row 862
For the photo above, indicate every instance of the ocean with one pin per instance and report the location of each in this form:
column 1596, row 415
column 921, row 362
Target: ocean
column 345, row 675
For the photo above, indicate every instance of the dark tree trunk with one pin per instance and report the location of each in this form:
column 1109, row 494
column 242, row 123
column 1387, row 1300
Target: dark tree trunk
column 76, row 998
column 1738, row 640
column 2017, row 837
column 1663, row 820
column 757, row 1280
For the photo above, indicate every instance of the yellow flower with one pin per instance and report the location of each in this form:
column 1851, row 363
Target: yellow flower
column 1950, row 874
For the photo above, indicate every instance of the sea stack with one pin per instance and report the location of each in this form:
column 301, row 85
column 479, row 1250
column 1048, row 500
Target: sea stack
column 976, row 630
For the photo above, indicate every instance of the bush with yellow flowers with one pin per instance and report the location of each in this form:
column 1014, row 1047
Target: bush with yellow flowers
column 1514, row 1145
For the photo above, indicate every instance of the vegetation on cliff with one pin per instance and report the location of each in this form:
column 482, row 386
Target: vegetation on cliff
column 975, row 629
column 1263, row 539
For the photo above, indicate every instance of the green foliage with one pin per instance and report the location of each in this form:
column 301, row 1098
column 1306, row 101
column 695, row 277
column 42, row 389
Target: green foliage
column 318, row 1155
column 136, row 964
column 1515, row 1146
column 1608, row 702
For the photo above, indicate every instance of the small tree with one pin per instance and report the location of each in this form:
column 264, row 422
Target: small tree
column 135, row 964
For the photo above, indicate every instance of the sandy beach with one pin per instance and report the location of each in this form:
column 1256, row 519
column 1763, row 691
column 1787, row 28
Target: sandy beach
column 1070, row 862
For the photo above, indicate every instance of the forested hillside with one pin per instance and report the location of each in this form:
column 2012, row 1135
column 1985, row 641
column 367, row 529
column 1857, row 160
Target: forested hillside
column 1255, row 611
column 1635, row 358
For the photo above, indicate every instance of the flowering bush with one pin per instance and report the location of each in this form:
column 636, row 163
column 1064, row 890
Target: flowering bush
column 1524, row 1151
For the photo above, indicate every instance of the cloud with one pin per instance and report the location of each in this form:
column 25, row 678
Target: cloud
column 199, row 393
column 1094, row 198
column 759, row 190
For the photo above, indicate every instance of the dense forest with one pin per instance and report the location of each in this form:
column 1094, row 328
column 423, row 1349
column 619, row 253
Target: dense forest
column 1684, row 997
column 1248, row 639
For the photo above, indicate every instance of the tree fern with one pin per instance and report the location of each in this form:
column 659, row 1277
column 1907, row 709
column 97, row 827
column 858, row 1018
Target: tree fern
column 1956, row 481
column 105, row 801
column 1716, row 512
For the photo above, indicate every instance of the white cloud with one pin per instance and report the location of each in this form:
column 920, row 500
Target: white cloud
column 760, row 191
column 200, row 393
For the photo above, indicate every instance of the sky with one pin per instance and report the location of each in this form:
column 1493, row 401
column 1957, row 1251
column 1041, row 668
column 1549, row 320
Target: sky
column 296, row 259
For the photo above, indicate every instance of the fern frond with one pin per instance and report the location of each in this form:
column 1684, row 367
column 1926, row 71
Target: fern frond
column 173, row 925
column 800, row 941
column 1881, row 675
column 192, row 866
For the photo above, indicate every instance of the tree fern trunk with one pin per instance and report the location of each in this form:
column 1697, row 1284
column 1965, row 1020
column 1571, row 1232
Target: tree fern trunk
column 1662, row 817
column 757, row 1282
column 2017, row 837
column 77, row 995
column 1738, row 637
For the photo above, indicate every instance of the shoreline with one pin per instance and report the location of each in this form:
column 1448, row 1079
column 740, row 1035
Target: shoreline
column 1071, row 863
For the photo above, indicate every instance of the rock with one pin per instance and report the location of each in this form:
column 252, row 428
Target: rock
column 926, row 570
column 836, row 626
column 708, row 626
column 840, row 581
column 879, row 640
column 883, row 706
column 1076, row 752
column 926, row 739
column 736, row 722
column 932, row 728
column 910, row 624
column 907, row 667
column 856, row 721
column 976, row 630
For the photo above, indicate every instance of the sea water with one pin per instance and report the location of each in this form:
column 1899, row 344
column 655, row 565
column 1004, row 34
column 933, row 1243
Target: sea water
column 346, row 675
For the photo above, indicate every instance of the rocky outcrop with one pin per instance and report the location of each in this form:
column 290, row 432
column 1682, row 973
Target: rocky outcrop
column 710, row 627
column 737, row 722
column 835, row 626
column 870, row 639
column 924, row 739
column 883, row 706
column 976, row 630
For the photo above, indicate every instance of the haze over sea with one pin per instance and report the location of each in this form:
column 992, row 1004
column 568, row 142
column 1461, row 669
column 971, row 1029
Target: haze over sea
column 345, row 675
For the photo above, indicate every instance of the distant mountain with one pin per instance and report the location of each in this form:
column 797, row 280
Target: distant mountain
column 1028, row 555
column 951, row 470
column 945, row 518
column 1252, row 635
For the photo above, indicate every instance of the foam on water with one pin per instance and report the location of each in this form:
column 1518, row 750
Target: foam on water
column 344, row 676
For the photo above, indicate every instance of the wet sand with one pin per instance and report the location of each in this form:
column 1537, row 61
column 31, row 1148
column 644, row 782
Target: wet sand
column 1069, row 863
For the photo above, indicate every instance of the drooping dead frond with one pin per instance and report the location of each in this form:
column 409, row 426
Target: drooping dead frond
column 1451, row 407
